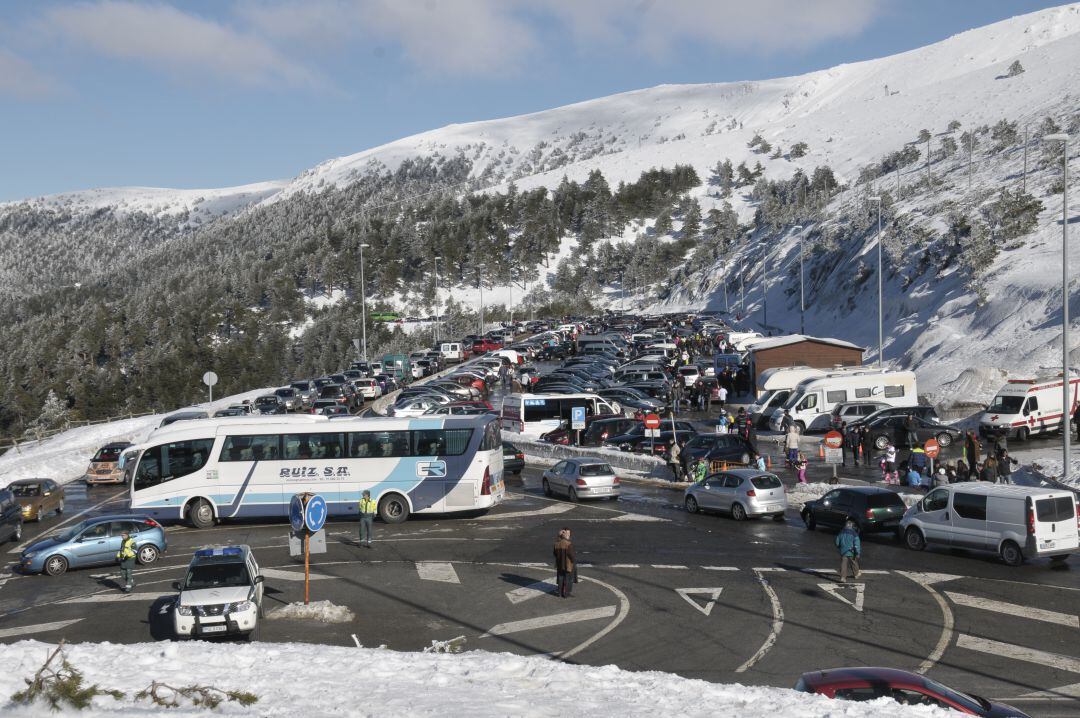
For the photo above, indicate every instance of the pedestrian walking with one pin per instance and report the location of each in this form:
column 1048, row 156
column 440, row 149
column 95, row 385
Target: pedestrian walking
column 910, row 428
column 851, row 439
column 126, row 557
column 801, row 469
column 850, row 548
column 989, row 471
column 674, row 460
column 844, row 448
column 721, row 396
column 564, row 563
column 786, row 422
column 972, row 450
column 888, row 467
column 368, row 507
column 1005, row 464
column 758, row 461
column 791, row 443
column 963, row 473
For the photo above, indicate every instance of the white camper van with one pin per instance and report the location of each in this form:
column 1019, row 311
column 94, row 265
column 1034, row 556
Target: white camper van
column 737, row 338
column 812, row 401
column 774, row 386
column 1015, row 522
column 1024, row 407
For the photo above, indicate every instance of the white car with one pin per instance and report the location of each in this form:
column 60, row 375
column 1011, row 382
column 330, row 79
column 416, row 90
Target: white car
column 368, row 388
column 416, row 407
column 221, row 594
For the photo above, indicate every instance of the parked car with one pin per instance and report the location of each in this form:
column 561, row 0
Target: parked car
column 221, row 594
column 873, row 508
column 868, row 684
column 10, row 517
column 269, row 404
column 329, row 407
column 513, row 459
column 920, row 412
column 581, row 478
column 337, row 393
column 637, row 433
column 368, row 388
column 307, row 391
column 597, row 432
column 454, row 410
column 655, row 446
column 852, row 411
column 105, row 467
column 743, row 493
column 290, row 398
column 37, row 497
column 731, row 448
column 186, row 415
column 230, row 411
column 94, row 542
column 894, row 429
column 480, row 346
column 564, row 434
column 1015, row 522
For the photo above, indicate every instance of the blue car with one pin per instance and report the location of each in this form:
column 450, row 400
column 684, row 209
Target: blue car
column 94, row 542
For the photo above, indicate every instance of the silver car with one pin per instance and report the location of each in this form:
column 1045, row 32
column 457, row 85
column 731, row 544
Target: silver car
column 740, row 492
column 582, row 479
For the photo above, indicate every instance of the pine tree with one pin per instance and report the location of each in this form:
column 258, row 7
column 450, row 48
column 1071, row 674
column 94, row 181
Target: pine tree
column 799, row 149
column 54, row 412
column 1015, row 69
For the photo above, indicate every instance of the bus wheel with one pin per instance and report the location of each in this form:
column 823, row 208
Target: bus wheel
column 201, row 514
column 393, row 509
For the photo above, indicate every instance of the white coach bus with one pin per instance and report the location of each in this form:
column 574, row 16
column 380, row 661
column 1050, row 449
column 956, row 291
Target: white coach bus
column 250, row 467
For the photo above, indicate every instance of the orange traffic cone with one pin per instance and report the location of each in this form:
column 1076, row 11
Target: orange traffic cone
column 821, row 451
column 768, row 461
column 723, row 467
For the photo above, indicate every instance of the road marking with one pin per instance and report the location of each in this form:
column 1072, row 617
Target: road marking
column 769, row 569
column 558, row 619
column 712, row 593
column 947, row 621
column 532, row 564
column 1013, row 609
column 625, row 565
column 720, row 568
column 559, row 508
column 827, row 571
column 36, row 628
column 53, row 529
column 292, row 575
column 624, row 609
column 114, row 598
column 637, row 517
column 1061, row 693
column 1019, row 653
column 437, row 571
column 833, row 589
column 666, row 565
column 533, row 590
column 777, row 623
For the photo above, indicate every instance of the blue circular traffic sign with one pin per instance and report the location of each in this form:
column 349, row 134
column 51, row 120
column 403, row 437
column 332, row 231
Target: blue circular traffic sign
column 315, row 513
column 296, row 513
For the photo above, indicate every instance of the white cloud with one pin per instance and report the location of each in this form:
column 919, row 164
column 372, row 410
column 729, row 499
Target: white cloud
column 20, row 79
column 177, row 42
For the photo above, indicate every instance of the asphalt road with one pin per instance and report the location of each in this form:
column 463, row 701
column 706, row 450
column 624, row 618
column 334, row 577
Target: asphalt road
column 700, row 595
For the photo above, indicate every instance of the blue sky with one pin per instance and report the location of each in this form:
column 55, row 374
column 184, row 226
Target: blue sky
column 210, row 93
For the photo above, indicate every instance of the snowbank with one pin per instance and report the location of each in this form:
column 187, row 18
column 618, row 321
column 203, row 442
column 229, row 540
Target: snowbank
column 300, row 679
column 323, row 611
column 1045, row 467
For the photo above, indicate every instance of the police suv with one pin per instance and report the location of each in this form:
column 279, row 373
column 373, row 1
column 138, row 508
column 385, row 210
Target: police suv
column 221, row 594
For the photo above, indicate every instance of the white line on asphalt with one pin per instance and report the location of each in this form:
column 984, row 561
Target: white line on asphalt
column 769, row 569
column 1012, row 609
column 532, row 564
column 114, row 598
column 833, row 589
column 558, row 619
column 52, row 529
column 36, row 628
column 547, row 511
column 624, row 565
column 437, row 571
column 665, row 565
column 777, row 623
column 712, row 593
column 524, row 593
column 292, row 575
column 947, row 621
column 1019, row 653
column 1061, row 693
column 720, row 568
column 638, row 517
column 874, row 572
column 624, row 609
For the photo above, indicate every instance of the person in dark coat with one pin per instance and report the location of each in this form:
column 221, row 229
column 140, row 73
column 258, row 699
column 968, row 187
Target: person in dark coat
column 852, row 441
column 963, row 473
column 910, row 430
column 565, row 565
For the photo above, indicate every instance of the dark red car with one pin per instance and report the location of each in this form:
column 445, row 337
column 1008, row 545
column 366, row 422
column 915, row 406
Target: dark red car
column 485, row 345
column 867, row 684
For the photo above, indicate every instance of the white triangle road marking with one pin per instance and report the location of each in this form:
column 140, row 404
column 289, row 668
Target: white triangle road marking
column 546, row 511
column 833, row 589
column 712, row 593
column 36, row 628
column 524, row 593
column 928, row 579
column 437, row 571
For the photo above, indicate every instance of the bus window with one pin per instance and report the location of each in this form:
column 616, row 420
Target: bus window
column 261, row 447
column 171, row 461
column 312, row 446
column 379, row 444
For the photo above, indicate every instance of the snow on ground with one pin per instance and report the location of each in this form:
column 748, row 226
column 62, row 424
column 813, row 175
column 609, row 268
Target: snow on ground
column 322, row 300
column 64, row 457
column 323, row 611
column 1049, row 467
column 293, row 679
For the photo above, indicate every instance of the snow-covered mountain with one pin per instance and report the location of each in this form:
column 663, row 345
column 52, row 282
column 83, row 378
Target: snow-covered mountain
column 848, row 116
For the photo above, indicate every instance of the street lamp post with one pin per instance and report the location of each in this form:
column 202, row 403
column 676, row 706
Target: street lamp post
column 437, row 315
column 363, row 299
column 1066, row 384
column 880, row 319
column 802, row 292
column 480, row 276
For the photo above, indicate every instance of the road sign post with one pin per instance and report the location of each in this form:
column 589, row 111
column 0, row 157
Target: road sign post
column 210, row 378
column 577, row 422
column 932, row 449
column 834, row 451
column 307, row 515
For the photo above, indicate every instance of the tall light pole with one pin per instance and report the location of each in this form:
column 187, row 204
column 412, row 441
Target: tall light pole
column 437, row 316
column 1066, row 385
column 802, row 292
column 363, row 299
column 880, row 319
column 480, row 277
column 765, row 290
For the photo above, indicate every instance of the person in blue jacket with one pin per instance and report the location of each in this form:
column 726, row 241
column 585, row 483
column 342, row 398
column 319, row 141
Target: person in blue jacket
column 850, row 548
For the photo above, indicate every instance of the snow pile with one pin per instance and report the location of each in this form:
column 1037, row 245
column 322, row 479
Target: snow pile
column 299, row 679
column 1046, row 467
column 323, row 611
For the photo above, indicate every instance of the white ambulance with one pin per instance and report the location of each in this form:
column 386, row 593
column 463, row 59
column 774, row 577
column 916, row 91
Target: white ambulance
column 1025, row 407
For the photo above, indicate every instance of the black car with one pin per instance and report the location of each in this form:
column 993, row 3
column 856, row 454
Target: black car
column 564, row 434
column 894, row 429
column 633, row 399
column 10, row 517
column 657, row 446
column 926, row 413
column 657, row 389
column 874, row 509
column 716, row 447
column 269, row 404
column 513, row 460
column 596, row 432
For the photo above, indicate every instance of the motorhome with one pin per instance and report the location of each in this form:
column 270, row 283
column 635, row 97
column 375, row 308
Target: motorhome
column 812, row 401
column 774, row 386
column 539, row 413
column 1025, row 407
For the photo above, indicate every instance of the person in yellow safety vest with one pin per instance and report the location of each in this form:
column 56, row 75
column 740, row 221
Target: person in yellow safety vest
column 368, row 507
column 126, row 557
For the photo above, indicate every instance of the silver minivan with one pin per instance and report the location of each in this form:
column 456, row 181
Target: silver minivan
column 1015, row 522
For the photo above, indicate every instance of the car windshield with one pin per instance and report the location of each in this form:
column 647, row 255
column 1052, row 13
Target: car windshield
column 290, row 392
column 214, row 575
column 594, row 470
column 1006, row 404
column 968, row 701
column 71, row 532
column 766, row 481
column 107, row 454
column 26, row 489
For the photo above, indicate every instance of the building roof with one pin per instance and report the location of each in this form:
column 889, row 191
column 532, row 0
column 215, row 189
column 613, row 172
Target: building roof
column 775, row 342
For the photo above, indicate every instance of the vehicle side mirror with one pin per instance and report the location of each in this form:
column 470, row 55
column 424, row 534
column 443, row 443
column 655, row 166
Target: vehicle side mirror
column 176, row 586
column 259, row 579
column 921, row 505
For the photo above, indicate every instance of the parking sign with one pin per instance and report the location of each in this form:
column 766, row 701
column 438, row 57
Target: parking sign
column 577, row 417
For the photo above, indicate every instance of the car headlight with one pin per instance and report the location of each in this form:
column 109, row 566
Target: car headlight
column 239, row 606
column 29, row 555
column 184, row 610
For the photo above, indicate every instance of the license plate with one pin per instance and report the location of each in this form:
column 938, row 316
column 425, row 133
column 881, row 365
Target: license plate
column 214, row 629
column 772, row 507
column 1047, row 544
column 604, row 491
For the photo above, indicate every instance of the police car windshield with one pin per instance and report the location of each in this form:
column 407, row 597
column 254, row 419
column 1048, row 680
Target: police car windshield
column 216, row 575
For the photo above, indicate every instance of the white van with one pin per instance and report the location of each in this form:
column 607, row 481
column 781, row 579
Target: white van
column 539, row 413
column 737, row 338
column 1024, row 407
column 774, row 387
column 453, row 351
column 1015, row 522
column 812, row 401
